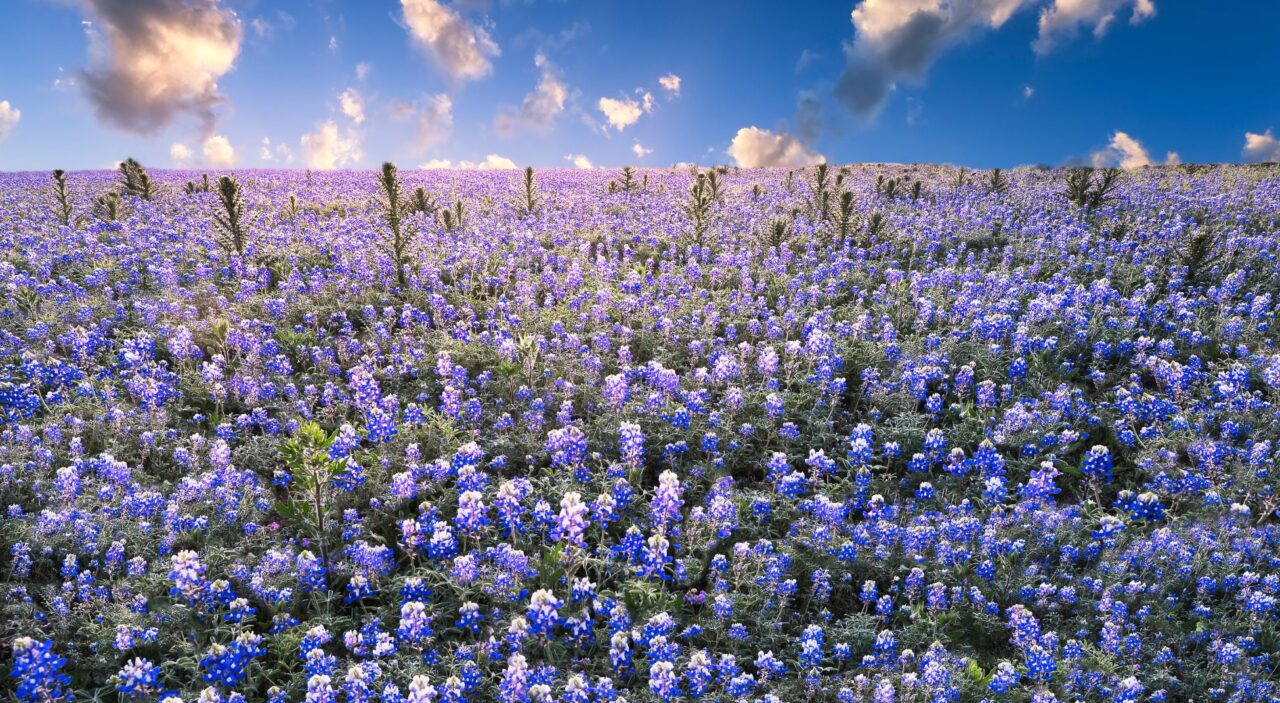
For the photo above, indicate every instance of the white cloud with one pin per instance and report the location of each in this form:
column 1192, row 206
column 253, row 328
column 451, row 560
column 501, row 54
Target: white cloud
column 578, row 160
column 490, row 162
column 670, row 83
column 265, row 28
column 1123, row 151
column 540, row 107
column 898, row 40
column 327, row 147
column 363, row 69
column 647, row 101
column 433, row 116
column 352, row 105
column 64, row 82
column 640, row 151
column 157, row 60
column 1172, row 158
column 620, row 113
column 1028, row 92
column 1257, row 147
column 754, row 147
column 806, row 59
column 218, row 151
column 461, row 49
column 333, row 43
column 9, row 116
column 1064, row 18
column 264, row 151
column 179, row 154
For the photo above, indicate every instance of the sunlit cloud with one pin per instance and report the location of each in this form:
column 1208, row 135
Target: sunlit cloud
column 155, row 61
column 329, row 147
column 754, row 147
column 459, row 48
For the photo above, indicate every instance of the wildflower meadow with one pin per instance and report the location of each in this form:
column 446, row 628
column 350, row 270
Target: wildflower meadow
column 860, row 434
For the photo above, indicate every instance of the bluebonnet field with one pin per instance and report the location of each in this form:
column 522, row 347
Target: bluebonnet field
column 874, row 433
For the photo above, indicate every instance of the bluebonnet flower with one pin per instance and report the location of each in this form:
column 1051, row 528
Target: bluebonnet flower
column 137, row 677
column 38, row 671
column 1098, row 463
column 227, row 665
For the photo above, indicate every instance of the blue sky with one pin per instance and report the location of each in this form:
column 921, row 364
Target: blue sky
column 202, row 83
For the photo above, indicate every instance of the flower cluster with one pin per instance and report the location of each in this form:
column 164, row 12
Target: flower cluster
column 976, row 445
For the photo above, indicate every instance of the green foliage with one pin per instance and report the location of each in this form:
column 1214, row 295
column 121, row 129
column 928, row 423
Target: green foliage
column 399, row 240
column 628, row 181
column 777, row 233
column 202, row 187
column 875, row 226
column 309, row 504
column 997, row 182
column 530, row 203
column 106, row 207
column 846, row 213
column 701, row 197
column 291, row 211
column 820, row 194
column 422, row 202
column 1084, row 191
column 61, row 198
column 1198, row 254
column 454, row 219
column 888, row 187
column 230, row 227
column 135, row 181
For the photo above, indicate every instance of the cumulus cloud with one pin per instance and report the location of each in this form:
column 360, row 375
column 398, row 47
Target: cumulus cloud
column 540, row 107
column 433, row 119
column 670, row 83
column 898, row 40
column 1064, row 18
column 328, row 147
column 640, row 151
column 1123, row 151
column 461, row 49
column 156, row 60
column 1127, row 152
column 754, row 147
column 578, row 160
column 352, row 105
column 9, row 116
column 620, row 113
column 490, row 163
column 264, row 151
column 217, row 151
column 1257, row 147
column 179, row 154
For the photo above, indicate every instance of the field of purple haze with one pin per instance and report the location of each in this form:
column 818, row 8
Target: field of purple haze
column 873, row 434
